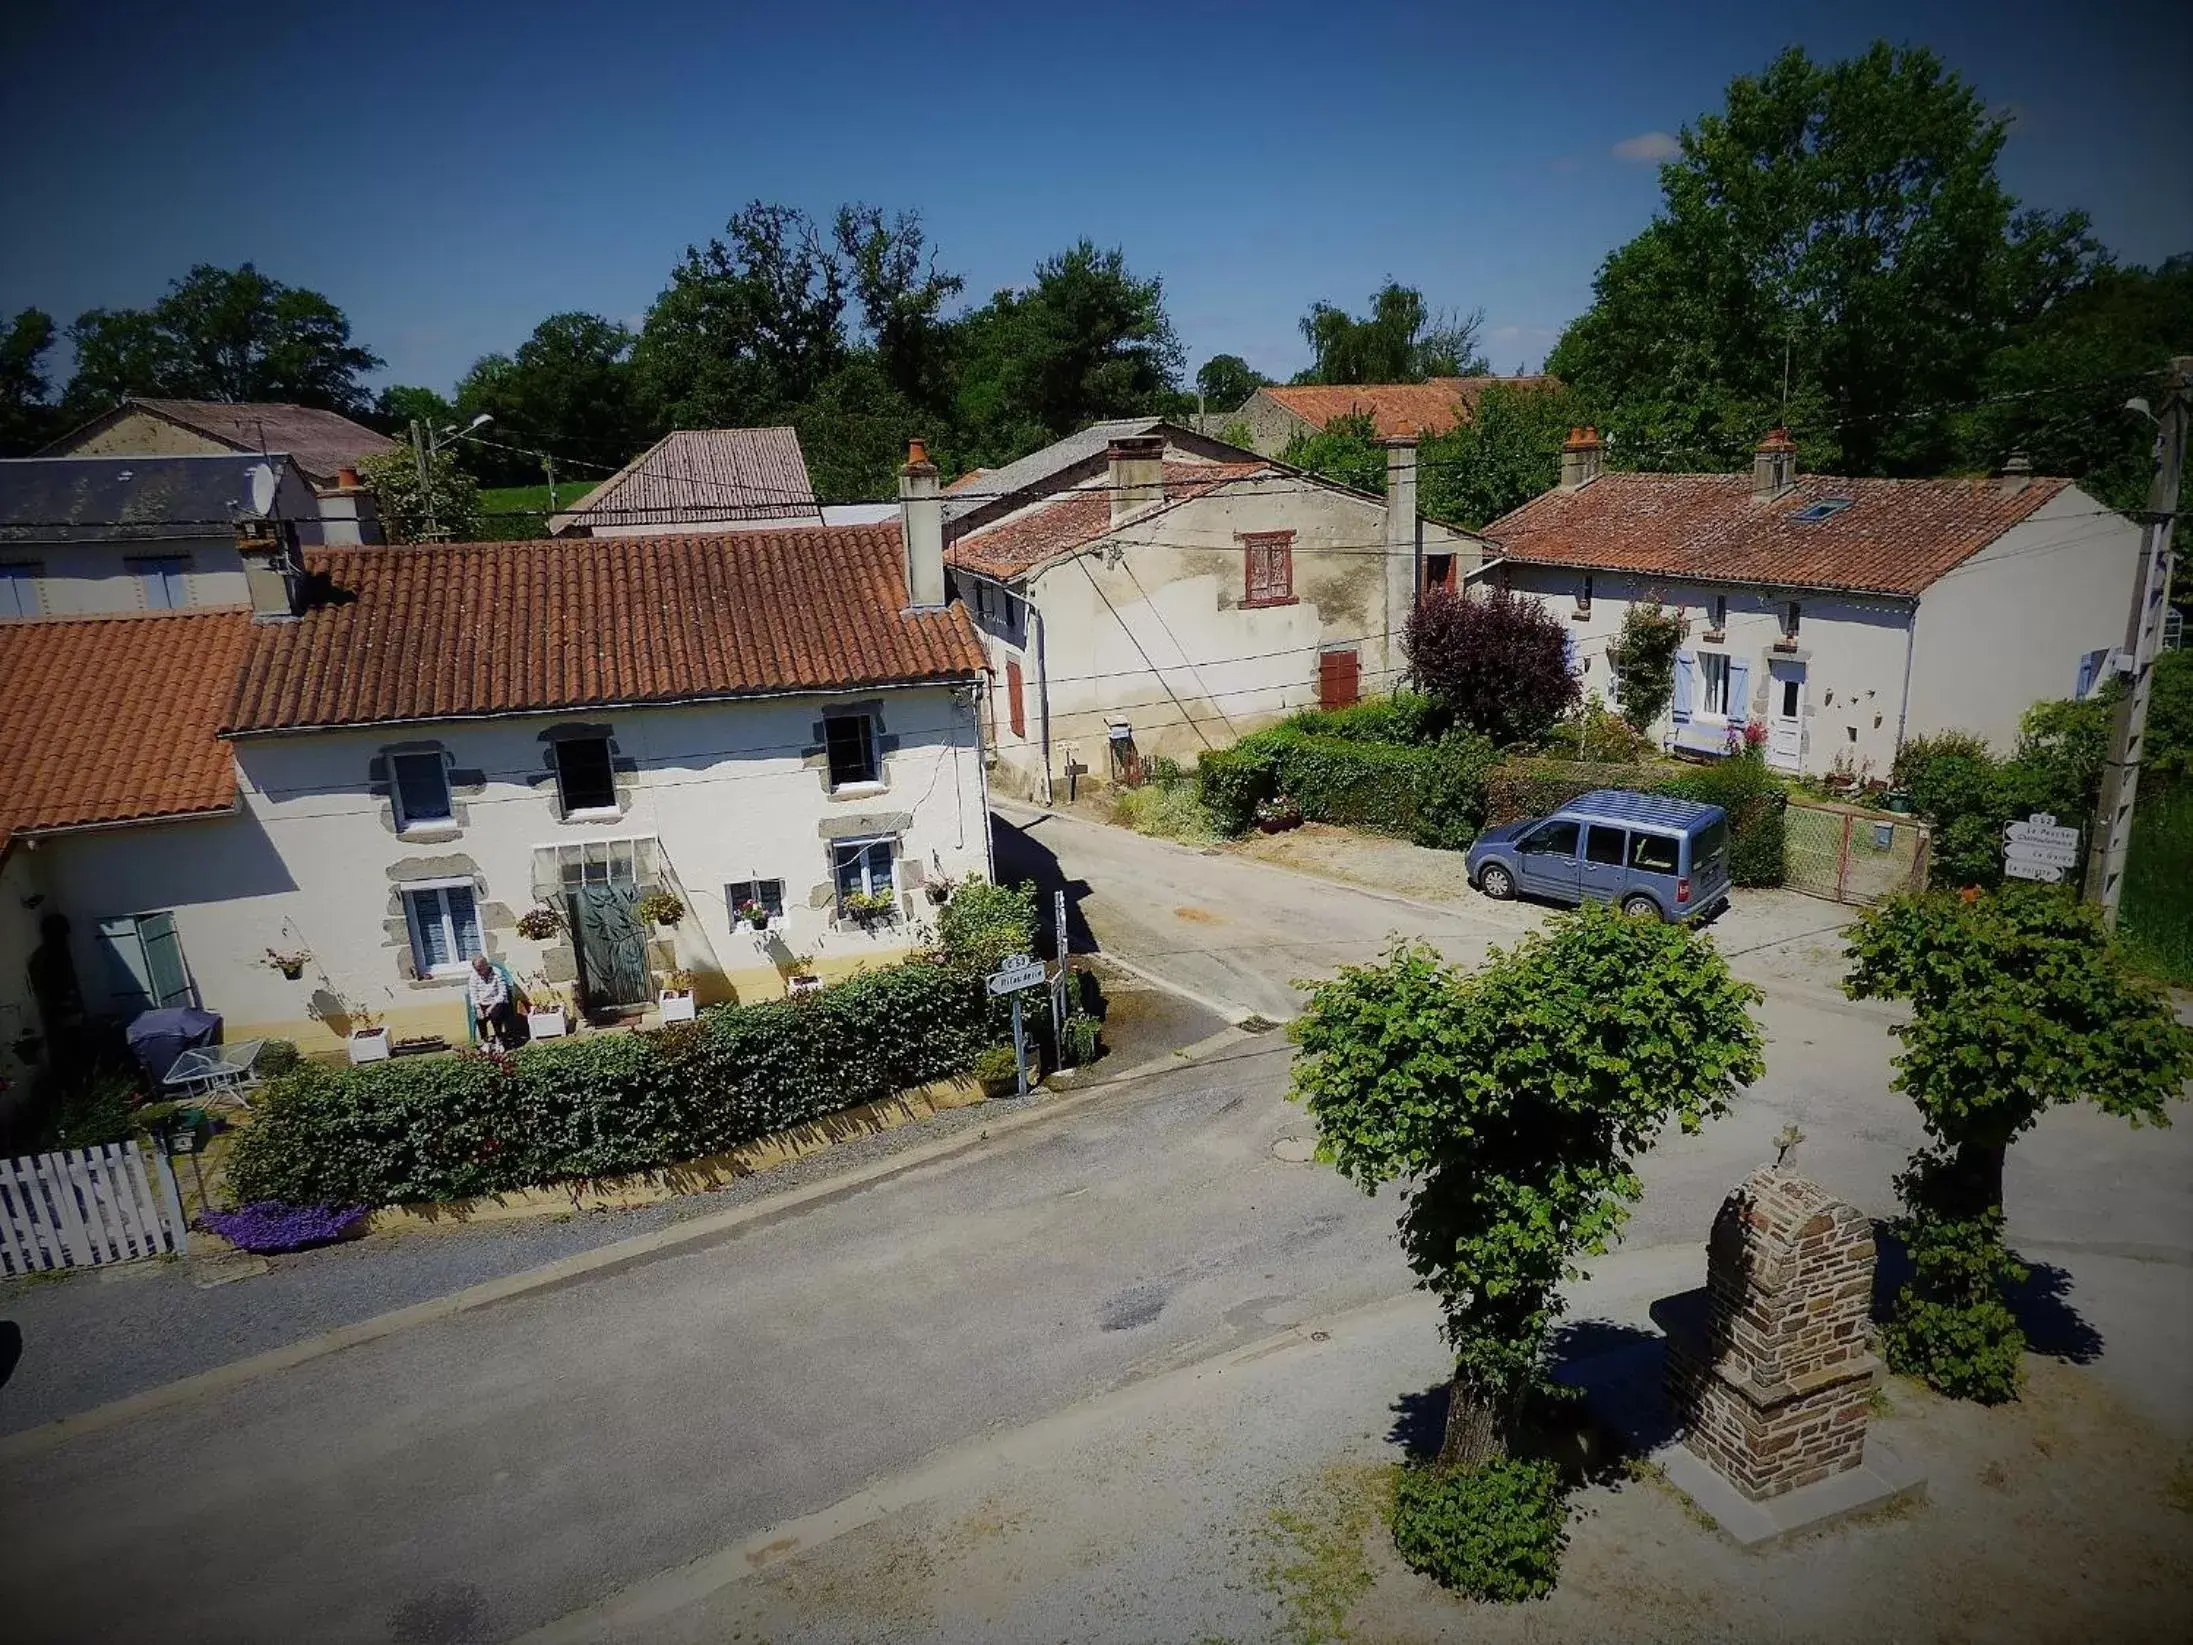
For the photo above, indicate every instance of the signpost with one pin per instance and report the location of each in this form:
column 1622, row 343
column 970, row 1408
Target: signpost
column 2037, row 849
column 1017, row 973
column 1061, row 981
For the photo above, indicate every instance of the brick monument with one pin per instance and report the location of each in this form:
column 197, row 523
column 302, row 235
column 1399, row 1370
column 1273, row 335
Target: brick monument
column 1769, row 1370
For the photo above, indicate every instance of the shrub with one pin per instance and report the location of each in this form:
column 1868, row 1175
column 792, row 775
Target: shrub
column 1495, row 1531
column 1495, row 661
column 270, row 1227
column 1952, row 1325
column 996, row 1065
column 1404, row 717
column 90, row 1111
column 1450, row 789
column 1169, row 811
column 276, row 1057
column 453, row 1127
column 1431, row 793
column 2168, row 746
column 1958, row 787
column 1643, row 659
column 1532, row 787
column 1757, row 807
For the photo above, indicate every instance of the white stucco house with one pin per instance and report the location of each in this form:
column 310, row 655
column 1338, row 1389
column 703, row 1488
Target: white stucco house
column 1842, row 616
column 1143, row 590
column 392, row 755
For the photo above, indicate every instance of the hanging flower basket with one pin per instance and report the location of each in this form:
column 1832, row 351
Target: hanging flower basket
column 660, row 908
column 539, row 924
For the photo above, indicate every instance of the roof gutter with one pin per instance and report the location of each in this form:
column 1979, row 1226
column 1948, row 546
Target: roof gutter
column 1510, row 557
column 31, row 836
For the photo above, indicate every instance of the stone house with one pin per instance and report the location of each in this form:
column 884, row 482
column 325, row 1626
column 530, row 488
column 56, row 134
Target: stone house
column 321, row 443
column 1148, row 592
column 395, row 753
column 1841, row 616
column 1279, row 412
column 102, row 534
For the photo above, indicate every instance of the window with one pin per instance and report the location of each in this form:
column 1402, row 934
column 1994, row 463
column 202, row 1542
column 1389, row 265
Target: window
column 144, row 962
column 1438, row 571
column 862, row 867
column 164, row 579
column 1826, row 509
column 19, row 588
column 1606, row 845
column 1555, row 839
column 1654, row 853
column 422, row 789
column 584, row 779
column 1790, row 613
column 851, row 740
column 769, row 893
column 1583, row 598
column 1789, row 697
column 1720, row 613
column 1270, row 557
column 1713, row 691
column 445, row 927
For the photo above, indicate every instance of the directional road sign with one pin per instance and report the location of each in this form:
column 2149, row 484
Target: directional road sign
column 1017, row 973
column 2018, row 869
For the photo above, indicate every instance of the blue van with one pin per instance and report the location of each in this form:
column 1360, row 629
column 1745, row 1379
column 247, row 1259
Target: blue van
column 1647, row 855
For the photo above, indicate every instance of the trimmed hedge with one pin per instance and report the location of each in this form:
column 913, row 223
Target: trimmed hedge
column 1431, row 793
column 1757, row 806
column 1531, row 788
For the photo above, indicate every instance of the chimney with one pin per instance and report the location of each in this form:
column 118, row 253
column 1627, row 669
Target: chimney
column 349, row 515
column 921, row 528
column 1580, row 459
column 1137, row 474
column 2017, row 474
column 1401, row 489
column 272, row 575
column 1773, row 466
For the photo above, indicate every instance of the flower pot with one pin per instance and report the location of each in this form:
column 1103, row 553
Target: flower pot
column 547, row 1024
column 802, row 985
column 369, row 1045
column 292, row 973
column 676, row 1007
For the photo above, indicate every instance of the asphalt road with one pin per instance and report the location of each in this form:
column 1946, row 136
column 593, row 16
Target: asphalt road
column 478, row 1477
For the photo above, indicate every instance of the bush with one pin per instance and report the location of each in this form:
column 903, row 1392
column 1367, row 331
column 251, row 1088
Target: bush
column 1492, row 1532
column 454, row 1127
column 1407, row 717
column 1166, row 811
column 270, row 1227
column 276, row 1057
column 996, row 1065
column 1432, row 794
column 1951, row 1325
column 2168, row 746
column 1532, row 787
column 1494, row 661
column 1232, row 781
column 1450, row 789
column 1643, row 659
column 90, row 1112
column 1757, row 807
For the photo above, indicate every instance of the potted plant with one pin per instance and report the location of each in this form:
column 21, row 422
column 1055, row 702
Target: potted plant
column 797, row 970
column 369, row 1037
column 545, row 1015
column 754, row 914
column 939, row 890
column 660, row 908
column 539, row 924
column 291, row 965
column 675, row 997
column 997, row 1070
column 1278, row 814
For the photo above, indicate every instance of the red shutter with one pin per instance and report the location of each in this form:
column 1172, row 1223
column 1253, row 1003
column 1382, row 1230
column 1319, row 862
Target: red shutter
column 1269, row 558
column 1339, row 678
column 1015, row 710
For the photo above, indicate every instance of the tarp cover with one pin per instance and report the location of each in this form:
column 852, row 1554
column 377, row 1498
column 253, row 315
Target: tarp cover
column 157, row 1038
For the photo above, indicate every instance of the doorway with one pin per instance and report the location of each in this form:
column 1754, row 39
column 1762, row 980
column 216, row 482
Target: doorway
column 1786, row 715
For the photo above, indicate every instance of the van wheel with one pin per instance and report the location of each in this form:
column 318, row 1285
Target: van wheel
column 1641, row 907
column 1496, row 882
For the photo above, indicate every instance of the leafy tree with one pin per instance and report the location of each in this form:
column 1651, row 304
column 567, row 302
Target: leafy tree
column 1347, row 450
column 853, row 433
column 1494, row 660
column 1226, row 381
column 750, row 325
column 396, row 408
column 1512, row 1102
column 568, row 391
column 221, row 334
column 902, row 293
column 2020, row 1003
column 26, row 417
column 393, row 477
column 1643, row 659
column 1507, row 453
column 1839, row 228
column 1400, row 341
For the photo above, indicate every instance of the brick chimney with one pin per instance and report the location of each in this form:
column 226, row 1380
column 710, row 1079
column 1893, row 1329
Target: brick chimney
column 1137, row 473
column 350, row 516
column 273, row 575
column 921, row 528
column 1773, row 466
column 1580, row 459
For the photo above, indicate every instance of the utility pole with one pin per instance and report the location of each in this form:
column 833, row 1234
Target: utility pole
column 2143, row 639
column 426, row 488
column 549, row 463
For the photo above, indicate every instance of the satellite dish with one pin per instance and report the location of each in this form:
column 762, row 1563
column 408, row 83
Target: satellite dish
column 262, row 488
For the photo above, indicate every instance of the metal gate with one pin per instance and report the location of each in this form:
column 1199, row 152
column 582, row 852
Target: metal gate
column 1852, row 855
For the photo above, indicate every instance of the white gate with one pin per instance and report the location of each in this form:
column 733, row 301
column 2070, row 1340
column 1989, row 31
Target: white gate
column 86, row 1207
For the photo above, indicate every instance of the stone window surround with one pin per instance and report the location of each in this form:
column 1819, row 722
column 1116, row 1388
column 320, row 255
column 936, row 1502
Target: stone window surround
column 906, row 874
column 465, row 784
column 816, row 755
column 415, row 873
column 624, row 774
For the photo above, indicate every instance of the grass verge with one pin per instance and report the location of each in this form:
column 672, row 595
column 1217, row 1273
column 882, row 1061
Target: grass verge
column 2156, row 917
column 1170, row 811
column 1319, row 1565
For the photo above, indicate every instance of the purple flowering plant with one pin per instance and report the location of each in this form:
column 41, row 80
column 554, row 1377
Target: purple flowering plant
column 270, row 1226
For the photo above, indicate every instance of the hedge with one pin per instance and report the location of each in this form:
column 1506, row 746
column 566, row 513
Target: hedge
column 439, row 1128
column 1432, row 793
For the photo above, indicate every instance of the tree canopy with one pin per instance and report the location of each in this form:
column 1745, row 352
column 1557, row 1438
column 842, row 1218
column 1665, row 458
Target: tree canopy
column 566, row 392
column 1225, row 381
column 26, row 417
column 1401, row 340
column 1495, row 660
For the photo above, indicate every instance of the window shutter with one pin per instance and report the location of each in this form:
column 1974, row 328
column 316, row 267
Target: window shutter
column 426, row 920
column 2090, row 669
column 464, row 920
column 1739, row 691
column 164, row 959
column 1015, row 703
column 129, row 978
column 1686, row 685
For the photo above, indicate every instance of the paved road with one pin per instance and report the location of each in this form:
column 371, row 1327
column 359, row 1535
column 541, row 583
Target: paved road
column 478, row 1477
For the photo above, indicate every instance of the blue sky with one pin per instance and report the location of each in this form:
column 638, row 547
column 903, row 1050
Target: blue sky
column 451, row 174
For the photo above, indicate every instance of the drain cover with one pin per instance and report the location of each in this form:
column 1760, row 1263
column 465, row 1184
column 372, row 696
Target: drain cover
column 1294, row 1150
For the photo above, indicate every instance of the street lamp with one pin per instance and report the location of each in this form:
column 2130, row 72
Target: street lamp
column 425, row 443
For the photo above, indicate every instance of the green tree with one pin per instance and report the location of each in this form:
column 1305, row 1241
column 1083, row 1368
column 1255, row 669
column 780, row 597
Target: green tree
column 1837, row 228
column 1511, row 1103
column 1226, row 381
column 26, row 414
column 403, row 504
column 1401, row 340
column 568, row 391
column 221, row 334
column 397, row 407
column 893, row 273
column 2020, row 1003
column 1643, row 659
column 1347, row 451
column 1504, row 455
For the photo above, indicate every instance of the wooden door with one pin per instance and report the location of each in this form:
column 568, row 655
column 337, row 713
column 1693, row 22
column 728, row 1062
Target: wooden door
column 1339, row 678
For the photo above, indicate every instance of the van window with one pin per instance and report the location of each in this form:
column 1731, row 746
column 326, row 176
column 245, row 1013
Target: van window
column 1654, row 853
column 1556, row 839
column 1712, row 840
column 1604, row 846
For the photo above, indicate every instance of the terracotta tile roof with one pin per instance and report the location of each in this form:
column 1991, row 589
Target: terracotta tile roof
column 1430, row 407
column 1069, row 519
column 320, row 441
column 967, row 480
column 1895, row 537
column 114, row 719
column 463, row 629
column 698, row 476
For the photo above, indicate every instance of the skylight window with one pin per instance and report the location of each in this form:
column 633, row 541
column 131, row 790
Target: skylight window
column 1825, row 509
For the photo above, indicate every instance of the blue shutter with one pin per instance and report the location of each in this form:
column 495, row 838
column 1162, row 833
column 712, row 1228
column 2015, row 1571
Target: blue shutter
column 426, row 920
column 164, row 959
column 1739, row 691
column 2090, row 668
column 1686, row 685
column 464, row 919
column 129, row 978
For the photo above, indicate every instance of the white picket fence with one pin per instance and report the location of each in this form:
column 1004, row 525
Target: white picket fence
column 87, row 1207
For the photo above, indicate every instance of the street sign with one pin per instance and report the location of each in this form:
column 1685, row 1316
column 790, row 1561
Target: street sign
column 2020, row 870
column 2037, row 849
column 2042, row 855
column 1018, row 972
